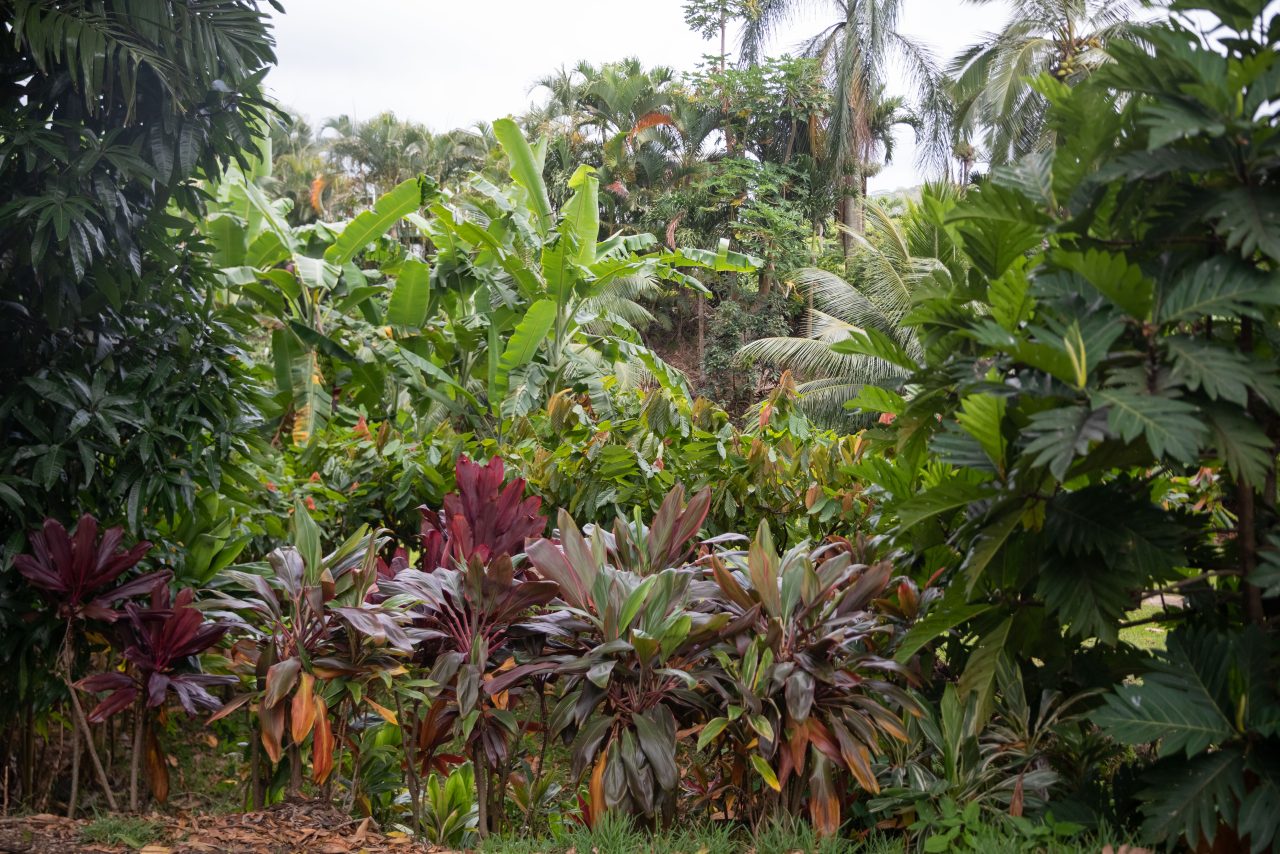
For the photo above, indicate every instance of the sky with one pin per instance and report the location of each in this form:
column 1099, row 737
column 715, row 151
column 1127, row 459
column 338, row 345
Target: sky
column 450, row 63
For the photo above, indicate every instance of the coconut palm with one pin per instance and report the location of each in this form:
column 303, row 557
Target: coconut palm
column 856, row 51
column 897, row 260
column 995, row 101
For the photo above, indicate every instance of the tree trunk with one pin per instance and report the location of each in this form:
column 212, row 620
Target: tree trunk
column 83, row 723
column 295, row 771
column 702, row 339
column 75, row 774
column 410, row 743
column 139, row 745
column 482, row 790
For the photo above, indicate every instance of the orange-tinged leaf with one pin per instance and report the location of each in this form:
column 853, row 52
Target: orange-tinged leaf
column 317, row 190
column 859, row 762
column 228, row 707
column 650, row 120
column 322, row 744
column 302, row 713
column 272, row 725
column 824, row 811
column 596, row 788
column 157, row 770
column 812, row 495
column 383, row 712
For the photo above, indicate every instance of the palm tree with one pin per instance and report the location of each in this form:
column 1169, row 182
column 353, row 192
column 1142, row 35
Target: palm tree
column 381, row 151
column 611, row 114
column 301, row 173
column 856, row 51
column 995, row 102
column 897, row 260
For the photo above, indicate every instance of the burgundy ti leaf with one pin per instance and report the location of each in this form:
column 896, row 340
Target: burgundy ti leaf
column 78, row 571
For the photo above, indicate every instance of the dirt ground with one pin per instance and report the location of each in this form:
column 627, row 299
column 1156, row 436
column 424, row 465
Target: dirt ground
column 291, row 827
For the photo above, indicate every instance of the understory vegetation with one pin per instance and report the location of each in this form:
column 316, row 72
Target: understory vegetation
column 622, row 476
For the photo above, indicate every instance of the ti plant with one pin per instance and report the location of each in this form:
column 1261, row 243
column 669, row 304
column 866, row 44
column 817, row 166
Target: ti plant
column 805, row 673
column 160, row 644
column 468, row 622
column 469, row 607
column 78, row 574
column 317, row 642
column 482, row 519
column 645, row 549
column 629, row 649
column 999, row 767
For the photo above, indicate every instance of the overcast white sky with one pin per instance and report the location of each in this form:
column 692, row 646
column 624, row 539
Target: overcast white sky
column 449, row 63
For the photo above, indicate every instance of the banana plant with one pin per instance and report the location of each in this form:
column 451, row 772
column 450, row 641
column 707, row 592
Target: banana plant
column 338, row 329
column 535, row 299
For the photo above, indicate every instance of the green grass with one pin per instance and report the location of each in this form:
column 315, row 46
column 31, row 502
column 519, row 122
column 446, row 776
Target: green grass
column 616, row 834
column 121, row 830
column 1149, row 636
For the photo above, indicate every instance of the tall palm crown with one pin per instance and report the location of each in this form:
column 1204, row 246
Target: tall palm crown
column 995, row 102
column 856, row 50
column 898, row 260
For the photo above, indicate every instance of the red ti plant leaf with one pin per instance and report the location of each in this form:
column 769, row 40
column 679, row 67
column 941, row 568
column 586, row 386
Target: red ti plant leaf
column 281, row 678
column 481, row 519
column 159, row 642
column 123, row 692
column 77, row 571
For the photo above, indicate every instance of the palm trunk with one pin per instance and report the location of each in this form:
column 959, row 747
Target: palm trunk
column 702, row 338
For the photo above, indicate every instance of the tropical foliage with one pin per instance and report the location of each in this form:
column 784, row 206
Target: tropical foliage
column 621, row 467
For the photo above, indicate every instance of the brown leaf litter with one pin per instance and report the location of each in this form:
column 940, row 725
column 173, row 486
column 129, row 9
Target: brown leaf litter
column 301, row 826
